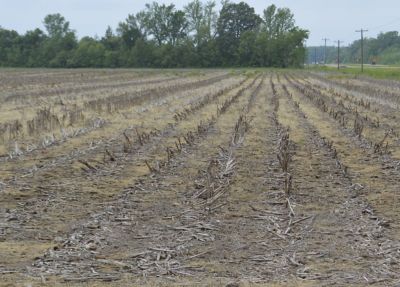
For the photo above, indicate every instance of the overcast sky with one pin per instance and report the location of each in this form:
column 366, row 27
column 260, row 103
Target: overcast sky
column 333, row 19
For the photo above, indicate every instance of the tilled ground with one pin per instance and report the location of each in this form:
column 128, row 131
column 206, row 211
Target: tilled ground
column 250, row 183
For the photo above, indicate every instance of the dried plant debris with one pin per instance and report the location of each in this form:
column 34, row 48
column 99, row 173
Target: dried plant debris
column 214, row 177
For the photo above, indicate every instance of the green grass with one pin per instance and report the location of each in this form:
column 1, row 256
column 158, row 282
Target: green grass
column 377, row 72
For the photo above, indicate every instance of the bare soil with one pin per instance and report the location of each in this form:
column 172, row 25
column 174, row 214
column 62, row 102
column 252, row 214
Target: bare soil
column 198, row 178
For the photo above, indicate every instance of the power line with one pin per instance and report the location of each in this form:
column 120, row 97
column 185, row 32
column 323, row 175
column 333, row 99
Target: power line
column 362, row 47
column 387, row 24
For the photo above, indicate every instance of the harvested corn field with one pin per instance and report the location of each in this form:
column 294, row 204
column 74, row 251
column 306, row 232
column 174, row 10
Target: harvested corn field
column 198, row 178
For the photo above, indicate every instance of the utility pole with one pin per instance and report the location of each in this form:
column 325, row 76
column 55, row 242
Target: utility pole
column 338, row 54
column 362, row 47
column 315, row 55
column 325, row 39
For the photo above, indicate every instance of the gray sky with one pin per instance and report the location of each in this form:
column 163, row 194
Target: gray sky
column 333, row 19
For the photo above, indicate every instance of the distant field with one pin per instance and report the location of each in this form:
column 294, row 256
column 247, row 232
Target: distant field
column 377, row 72
column 199, row 178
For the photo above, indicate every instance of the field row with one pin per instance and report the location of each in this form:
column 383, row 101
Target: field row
column 214, row 178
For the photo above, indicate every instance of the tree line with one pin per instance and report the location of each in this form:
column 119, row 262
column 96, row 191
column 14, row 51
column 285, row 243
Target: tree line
column 163, row 36
column 384, row 49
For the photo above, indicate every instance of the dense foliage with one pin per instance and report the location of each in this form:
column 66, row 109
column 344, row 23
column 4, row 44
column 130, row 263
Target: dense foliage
column 384, row 49
column 163, row 36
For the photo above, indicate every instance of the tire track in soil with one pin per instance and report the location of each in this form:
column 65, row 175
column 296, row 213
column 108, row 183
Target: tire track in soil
column 348, row 243
column 68, row 201
column 154, row 219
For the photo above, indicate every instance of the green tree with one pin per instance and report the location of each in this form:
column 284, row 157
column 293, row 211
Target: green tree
column 31, row 44
column 89, row 53
column 247, row 49
column 56, row 25
column 129, row 31
column 112, row 44
column 61, row 41
column 110, row 40
column 277, row 21
column 234, row 20
column 292, row 50
column 163, row 36
column 156, row 20
column 263, row 50
column 281, row 43
column 164, row 23
column 142, row 55
column 9, row 48
column 177, row 29
column 202, row 20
